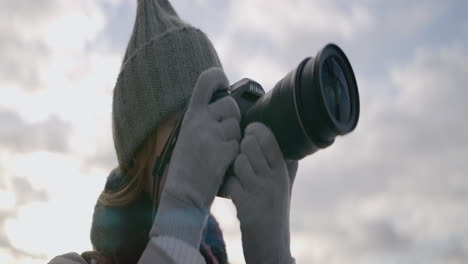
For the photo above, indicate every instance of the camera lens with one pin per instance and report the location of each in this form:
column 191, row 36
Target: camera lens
column 335, row 89
column 312, row 105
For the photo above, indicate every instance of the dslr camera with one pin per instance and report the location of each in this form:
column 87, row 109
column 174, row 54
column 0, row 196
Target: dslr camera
column 308, row 108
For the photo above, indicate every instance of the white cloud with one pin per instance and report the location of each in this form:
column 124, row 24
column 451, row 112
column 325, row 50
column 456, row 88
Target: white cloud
column 314, row 17
column 432, row 80
column 56, row 79
column 72, row 81
column 398, row 180
column 7, row 200
column 396, row 188
column 40, row 36
column 18, row 136
column 65, row 218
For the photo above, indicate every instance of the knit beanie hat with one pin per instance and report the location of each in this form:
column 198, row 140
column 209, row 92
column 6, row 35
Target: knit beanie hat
column 163, row 60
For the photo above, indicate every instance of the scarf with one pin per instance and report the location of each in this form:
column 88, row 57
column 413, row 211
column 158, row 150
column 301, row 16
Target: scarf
column 119, row 235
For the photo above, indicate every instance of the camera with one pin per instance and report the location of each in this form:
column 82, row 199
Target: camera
column 308, row 108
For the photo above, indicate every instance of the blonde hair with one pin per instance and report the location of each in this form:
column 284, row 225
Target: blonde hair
column 135, row 175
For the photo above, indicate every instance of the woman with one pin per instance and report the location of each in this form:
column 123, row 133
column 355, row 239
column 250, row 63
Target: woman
column 168, row 65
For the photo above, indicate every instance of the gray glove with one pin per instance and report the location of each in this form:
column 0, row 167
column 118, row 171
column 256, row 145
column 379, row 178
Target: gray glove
column 207, row 144
column 260, row 190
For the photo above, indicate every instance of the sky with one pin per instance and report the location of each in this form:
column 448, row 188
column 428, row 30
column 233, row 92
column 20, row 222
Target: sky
column 393, row 191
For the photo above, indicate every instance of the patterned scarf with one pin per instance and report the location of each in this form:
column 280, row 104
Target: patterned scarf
column 119, row 235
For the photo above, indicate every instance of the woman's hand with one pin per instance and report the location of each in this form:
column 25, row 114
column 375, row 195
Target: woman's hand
column 261, row 191
column 207, row 144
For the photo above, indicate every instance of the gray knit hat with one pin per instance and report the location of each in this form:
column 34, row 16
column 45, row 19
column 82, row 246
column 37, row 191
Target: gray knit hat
column 163, row 60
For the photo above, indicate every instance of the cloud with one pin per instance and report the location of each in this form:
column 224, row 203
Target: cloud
column 34, row 36
column 16, row 192
column 104, row 156
column 194, row 12
column 393, row 191
column 59, row 74
column 25, row 194
column 120, row 16
column 2, row 177
column 4, row 242
column 21, row 55
column 21, row 59
column 256, row 37
column 375, row 34
column 25, row 9
column 257, row 31
column 397, row 184
column 18, row 136
column 432, row 80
